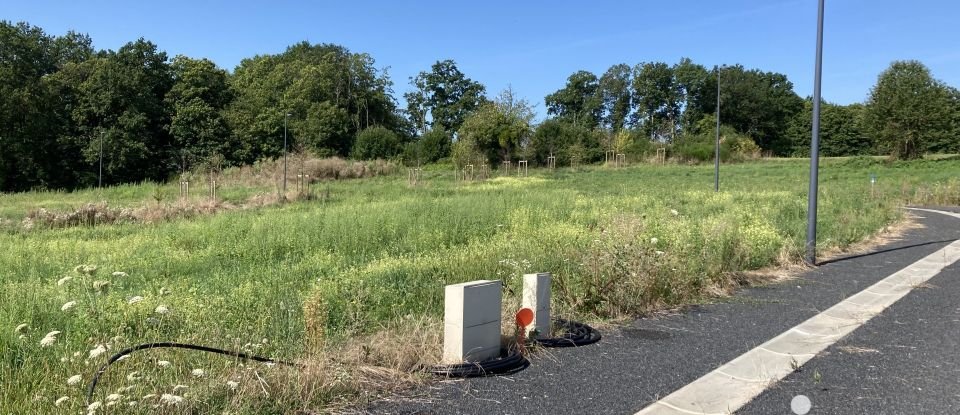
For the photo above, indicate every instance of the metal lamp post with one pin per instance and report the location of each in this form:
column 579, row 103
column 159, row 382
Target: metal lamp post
column 815, row 147
column 100, row 174
column 285, row 152
column 716, row 158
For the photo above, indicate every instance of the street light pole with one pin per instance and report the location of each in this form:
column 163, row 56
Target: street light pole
column 100, row 174
column 815, row 147
column 716, row 157
column 285, row 153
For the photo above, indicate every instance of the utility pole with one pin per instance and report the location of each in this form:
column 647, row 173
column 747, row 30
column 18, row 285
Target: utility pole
column 716, row 157
column 100, row 174
column 815, row 147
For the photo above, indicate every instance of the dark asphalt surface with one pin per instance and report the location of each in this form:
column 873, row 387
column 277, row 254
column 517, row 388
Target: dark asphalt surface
column 906, row 360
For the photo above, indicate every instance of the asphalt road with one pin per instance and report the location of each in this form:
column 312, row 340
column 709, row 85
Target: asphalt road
column 906, row 360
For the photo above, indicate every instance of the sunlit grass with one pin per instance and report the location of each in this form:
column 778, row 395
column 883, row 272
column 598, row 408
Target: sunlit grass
column 378, row 251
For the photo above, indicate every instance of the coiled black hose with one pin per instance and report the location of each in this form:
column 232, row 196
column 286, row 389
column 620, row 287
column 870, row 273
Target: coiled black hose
column 508, row 363
column 575, row 334
column 145, row 346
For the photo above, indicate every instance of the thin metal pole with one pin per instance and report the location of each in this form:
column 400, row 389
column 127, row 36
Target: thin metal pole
column 815, row 147
column 100, row 175
column 285, row 153
column 716, row 157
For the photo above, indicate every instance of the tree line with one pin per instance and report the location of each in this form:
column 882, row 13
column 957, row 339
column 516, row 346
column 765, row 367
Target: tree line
column 63, row 104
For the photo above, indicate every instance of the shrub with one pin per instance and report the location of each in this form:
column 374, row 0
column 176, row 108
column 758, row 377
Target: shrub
column 464, row 152
column 376, row 142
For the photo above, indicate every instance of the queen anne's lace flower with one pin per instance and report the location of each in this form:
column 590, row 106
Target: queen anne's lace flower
column 169, row 399
column 73, row 380
column 97, row 351
column 49, row 339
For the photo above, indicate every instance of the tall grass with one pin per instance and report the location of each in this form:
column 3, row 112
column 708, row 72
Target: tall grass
column 377, row 252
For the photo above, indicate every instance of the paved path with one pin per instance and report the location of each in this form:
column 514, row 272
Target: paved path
column 904, row 360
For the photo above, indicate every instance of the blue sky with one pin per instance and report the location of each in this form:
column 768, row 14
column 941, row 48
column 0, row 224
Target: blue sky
column 533, row 46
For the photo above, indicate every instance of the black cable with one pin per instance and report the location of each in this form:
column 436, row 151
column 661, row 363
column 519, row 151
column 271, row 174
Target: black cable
column 575, row 334
column 145, row 346
column 508, row 363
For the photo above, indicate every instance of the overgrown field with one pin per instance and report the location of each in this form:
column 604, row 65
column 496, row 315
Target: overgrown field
column 376, row 252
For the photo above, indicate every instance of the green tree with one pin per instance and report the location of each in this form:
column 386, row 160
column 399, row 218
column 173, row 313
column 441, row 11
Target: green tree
column 578, row 102
column 499, row 129
column 841, row 132
column 435, row 144
column 691, row 82
column 197, row 99
column 330, row 93
column 615, row 95
column 35, row 108
column 376, row 143
column 120, row 100
column 657, row 99
column 446, row 93
column 553, row 137
column 908, row 110
column 756, row 103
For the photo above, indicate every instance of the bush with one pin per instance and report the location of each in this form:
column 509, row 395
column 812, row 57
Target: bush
column 429, row 148
column 465, row 152
column 699, row 149
column 376, row 143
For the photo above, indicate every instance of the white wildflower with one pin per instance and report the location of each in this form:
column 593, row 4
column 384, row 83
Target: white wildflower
column 161, row 309
column 132, row 403
column 111, row 403
column 21, row 328
column 94, row 406
column 119, row 274
column 61, row 400
column 63, row 280
column 163, row 363
column 170, row 399
column 49, row 339
column 101, row 285
column 149, row 396
column 233, row 384
column 674, row 212
column 197, row 373
column 164, row 291
column 114, row 397
column 64, row 359
column 135, row 299
column 68, row 305
column 133, row 376
column 97, row 351
column 659, row 252
column 179, row 387
column 654, row 241
column 75, row 379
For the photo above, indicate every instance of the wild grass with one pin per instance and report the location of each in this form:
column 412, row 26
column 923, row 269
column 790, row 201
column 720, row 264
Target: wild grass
column 352, row 286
